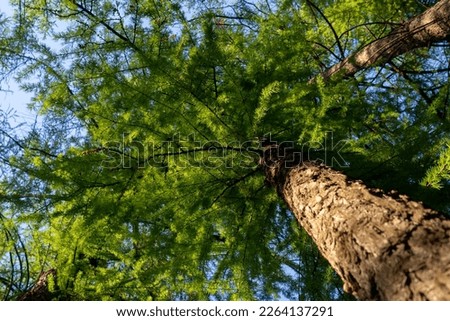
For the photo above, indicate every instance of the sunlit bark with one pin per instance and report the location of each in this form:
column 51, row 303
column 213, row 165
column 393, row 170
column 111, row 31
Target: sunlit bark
column 384, row 246
column 432, row 26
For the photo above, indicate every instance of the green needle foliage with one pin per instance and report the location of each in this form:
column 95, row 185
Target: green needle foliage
column 142, row 183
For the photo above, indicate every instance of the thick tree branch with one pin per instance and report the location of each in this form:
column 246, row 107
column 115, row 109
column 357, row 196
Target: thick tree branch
column 40, row 291
column 431, row 26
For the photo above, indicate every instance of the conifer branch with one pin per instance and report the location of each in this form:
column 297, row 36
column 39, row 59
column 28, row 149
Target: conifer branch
column 234, row 182
column 91, row 15
column 328, row 22
column 430, row 27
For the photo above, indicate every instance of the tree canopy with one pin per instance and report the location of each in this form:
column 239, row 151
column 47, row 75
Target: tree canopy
column 142, row 183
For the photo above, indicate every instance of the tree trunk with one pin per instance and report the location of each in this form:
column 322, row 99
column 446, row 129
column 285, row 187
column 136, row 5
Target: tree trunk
column 431, row 26
column 384, row 246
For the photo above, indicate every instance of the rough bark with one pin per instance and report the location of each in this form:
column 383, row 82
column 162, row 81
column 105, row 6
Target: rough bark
column 40, row 291
column 384, row 246
column 432, row 26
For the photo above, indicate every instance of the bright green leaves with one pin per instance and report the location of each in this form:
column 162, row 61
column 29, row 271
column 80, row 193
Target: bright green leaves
column 265, row 102
column 340, row 28
column 440, row 172
column 143, row 182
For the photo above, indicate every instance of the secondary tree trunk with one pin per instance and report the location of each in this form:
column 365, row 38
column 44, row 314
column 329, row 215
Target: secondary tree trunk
column 40, row 291
column 433, row 25
column 384, row 247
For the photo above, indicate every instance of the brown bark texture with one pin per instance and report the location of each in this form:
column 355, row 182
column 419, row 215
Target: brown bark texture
column 383, row 245
column 40, row 291
column 432, row 26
